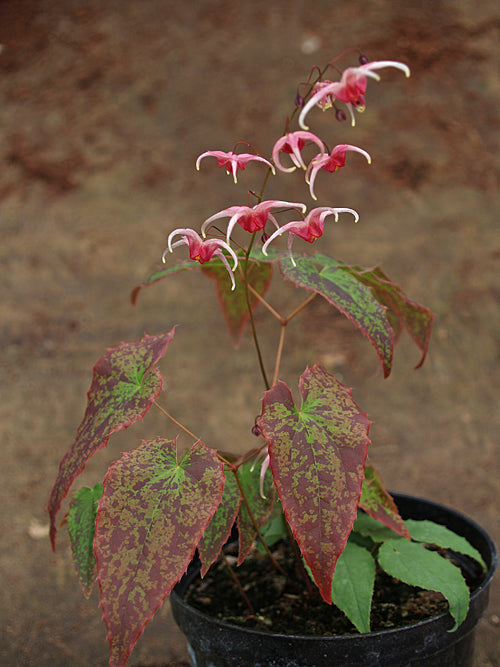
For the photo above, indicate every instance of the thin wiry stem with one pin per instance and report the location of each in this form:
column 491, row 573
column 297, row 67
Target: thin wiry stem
column 177, row 423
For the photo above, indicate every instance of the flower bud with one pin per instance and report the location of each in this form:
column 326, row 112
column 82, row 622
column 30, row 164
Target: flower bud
column 264, row 237
column 256, row 430
column 340, row 115
column 299, row 101
column 363, row 59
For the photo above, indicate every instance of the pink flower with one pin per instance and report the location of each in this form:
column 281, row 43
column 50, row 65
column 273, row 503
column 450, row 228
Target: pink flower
column 308, row 229
column 292, row 143
column 330, row 163
column 350, row 89
column 250, row 219
column 201, row 250
column 233, row 161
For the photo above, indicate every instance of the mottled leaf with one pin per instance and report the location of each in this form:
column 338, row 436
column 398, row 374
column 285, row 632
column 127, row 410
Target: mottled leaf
column 352, row 585
column 378, row 503
column 317, row 457
column 260, row 507
column 160, row 273
column 412, row 563
column 433, row 533
column 81, row 528
column 151, row 516
column 402, row 312
column 233, row 302
column 124, row 386
column 219, row 528
column 351, row 297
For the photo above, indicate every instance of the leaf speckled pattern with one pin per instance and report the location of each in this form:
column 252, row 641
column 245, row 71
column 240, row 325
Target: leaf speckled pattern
column 350, row 296
column 317, row 457
column 151, row 517
column 378, row 503
column 124, row 386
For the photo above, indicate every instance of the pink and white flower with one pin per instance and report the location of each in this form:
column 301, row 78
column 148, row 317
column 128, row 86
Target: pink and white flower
column 202, row 250
column 330, row 162
column 350, row 89
column 308, row 229
column 233, row 161
column 292, row 144
column 251, row 219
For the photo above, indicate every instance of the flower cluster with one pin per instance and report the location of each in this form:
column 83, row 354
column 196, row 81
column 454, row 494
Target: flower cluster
column 350, row 90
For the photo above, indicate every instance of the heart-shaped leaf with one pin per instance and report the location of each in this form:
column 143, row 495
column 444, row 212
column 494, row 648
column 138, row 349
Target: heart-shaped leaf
column 151, row 517
column 160, row 273
column 81, row 528
column 317, row 456
column 124, row 386
column 378, row 503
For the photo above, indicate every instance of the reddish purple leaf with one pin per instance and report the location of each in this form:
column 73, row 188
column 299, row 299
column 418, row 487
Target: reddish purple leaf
column 219, row 528
column 124, row 386
column 160, row 273
column 378, row 503
column 233, row 302
column 151, row 517
column 317, row 457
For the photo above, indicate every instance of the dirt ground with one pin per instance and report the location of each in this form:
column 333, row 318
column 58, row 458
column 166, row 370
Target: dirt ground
column 104, row 108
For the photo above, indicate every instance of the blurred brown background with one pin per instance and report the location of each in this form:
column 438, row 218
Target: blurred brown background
column 104, row 109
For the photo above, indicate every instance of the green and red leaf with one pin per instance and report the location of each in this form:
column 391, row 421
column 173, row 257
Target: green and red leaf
column 219, row 528
column 81, row 529
column 124, row 386
column 350, row 296
column 260, row 507
column 317, row 457
column 151, row 517
column 402, row 312
column 378, row 503
column 233, row 302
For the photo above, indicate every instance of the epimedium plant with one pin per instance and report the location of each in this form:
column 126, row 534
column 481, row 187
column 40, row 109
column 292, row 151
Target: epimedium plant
column 307, row 480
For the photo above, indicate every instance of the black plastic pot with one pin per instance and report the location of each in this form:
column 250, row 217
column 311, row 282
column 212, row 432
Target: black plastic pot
column 213, row 643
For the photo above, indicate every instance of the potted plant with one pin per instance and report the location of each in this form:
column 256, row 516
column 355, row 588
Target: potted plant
column 304, row 496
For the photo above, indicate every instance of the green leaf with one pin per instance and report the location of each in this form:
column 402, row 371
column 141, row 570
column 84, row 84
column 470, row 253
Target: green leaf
column 352, row 585
column 81, row 528
column 317, row 455
column 249, row 476
column 161, row 273
column 350, row 296
column 378, row 503
column 415, row 565
column 433, row 533
column 274, row 528
column 368, row 526
column 233, row 302
column 219, row 528
column 151, row 517
column 124, row 386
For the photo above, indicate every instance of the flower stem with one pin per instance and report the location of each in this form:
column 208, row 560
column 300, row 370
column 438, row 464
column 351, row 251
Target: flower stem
column 237, row 583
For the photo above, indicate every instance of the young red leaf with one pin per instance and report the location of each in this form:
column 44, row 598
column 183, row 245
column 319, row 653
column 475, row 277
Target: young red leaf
column 219, row 528
column 233, row 302
column 81, row 528
column 260, row 507
column 351, row 297
column 124, row 386
column 161, row 273
column 151, row 517
column 378, row 503
column 317, row 457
